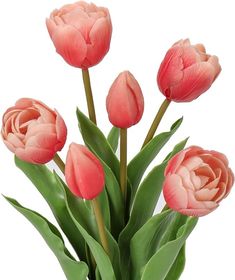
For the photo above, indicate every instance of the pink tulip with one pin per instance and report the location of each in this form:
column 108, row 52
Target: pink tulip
column 187, row 71
column 32, row 131
column 81, row 33
column 125, row 102
column 196, row 181
column 84, row 173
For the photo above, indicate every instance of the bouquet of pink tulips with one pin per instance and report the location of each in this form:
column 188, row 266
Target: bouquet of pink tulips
column 103, row 204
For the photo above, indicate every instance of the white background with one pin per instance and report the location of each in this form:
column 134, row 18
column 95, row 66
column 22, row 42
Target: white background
column 143, row 31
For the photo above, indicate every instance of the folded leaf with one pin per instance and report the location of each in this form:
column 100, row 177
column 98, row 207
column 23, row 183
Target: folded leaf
column 141, row 161
column 46, row 183
column 97, row 143
column 168, row 253
column 101, row 258
column 115, row 201
column 146, row 241
column 73, row 269
column 144, row 204
column 113, row 138
column 105, row 209
column 178, row 266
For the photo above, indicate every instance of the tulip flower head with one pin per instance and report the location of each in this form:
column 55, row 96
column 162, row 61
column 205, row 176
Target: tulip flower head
column 32, row 131
column 196, row 181
column 125, row 102
column 187, row 71
column 84, row 172
column 81, row 33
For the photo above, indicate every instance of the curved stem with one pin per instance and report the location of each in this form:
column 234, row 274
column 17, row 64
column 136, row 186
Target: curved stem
column 101, row 225
column 89, row 97
column 156, row 121
column 59, row 162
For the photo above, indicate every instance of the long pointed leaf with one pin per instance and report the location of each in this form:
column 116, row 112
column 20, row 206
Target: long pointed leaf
column 113, row 138
column 141, row 161
column 101, row 258
column 73, row 270
column 144, row 204
column 96, row 141
column 45, row 182
column 167, row 254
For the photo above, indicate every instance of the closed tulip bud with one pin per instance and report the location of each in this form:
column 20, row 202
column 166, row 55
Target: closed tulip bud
column 125, row 102
column 196, row 181
column 81, row 33
column 186, row 72
column 32, row 131
column 84, row 173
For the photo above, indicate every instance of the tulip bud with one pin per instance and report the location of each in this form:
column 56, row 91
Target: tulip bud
column 84, row 173
column 81, row 33
column 32, row 131
column 187, row 71
column 125, row 102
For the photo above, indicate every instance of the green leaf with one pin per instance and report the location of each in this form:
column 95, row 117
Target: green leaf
column 46, row 183
column 145, row 203
column 73, row 270
column 101, row 258
column 178, row 266
column 105, row 209
column 97, row 143
column 115, row 201
column 168, row 253
column 113, row 138
column 149, row 191
column 141, row 161
column 146, row 241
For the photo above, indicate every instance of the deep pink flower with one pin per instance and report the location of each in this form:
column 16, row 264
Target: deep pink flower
column 81, row 33
column 84, row 173
column 32, row 131
column 187, row 71
column 196, row 181
column 125, row 102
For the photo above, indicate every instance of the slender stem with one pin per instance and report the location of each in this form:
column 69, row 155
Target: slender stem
column 89, row 97
column 123, row 161
column 156, row 121
column 100, row 224
column 59, row 162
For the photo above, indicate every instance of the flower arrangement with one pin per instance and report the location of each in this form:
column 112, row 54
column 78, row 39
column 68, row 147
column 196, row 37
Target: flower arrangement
column 103, row 204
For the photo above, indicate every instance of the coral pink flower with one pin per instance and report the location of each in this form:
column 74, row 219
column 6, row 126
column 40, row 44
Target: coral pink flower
column 187, row 71
column 84, row 173
column 32, row 131
column 196, row 181
column 81, row 33
column 125, row 102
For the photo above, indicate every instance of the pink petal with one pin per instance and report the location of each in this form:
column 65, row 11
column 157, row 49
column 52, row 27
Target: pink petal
column 61, row 131
column 34, row 155
column 196, row 212
column 206, row 194
column 196, row 80
column 174, row 193
column 175, row 162
column 192, row 163
column 70, row 44
column 100, row 37
column 184, row 173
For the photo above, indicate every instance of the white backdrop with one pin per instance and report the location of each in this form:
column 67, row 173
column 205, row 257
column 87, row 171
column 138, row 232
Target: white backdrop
column 143, row 31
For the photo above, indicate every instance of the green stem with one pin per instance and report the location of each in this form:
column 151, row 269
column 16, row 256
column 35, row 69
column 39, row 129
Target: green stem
column 101, row 225
column 89, row 97
column 156, row 121
column 59, row 162
column 123, row 161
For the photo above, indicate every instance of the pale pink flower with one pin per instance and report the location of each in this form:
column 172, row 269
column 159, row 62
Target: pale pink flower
column 81, row 33
column 187, row 71
column 32, row 131
column 196, row 181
